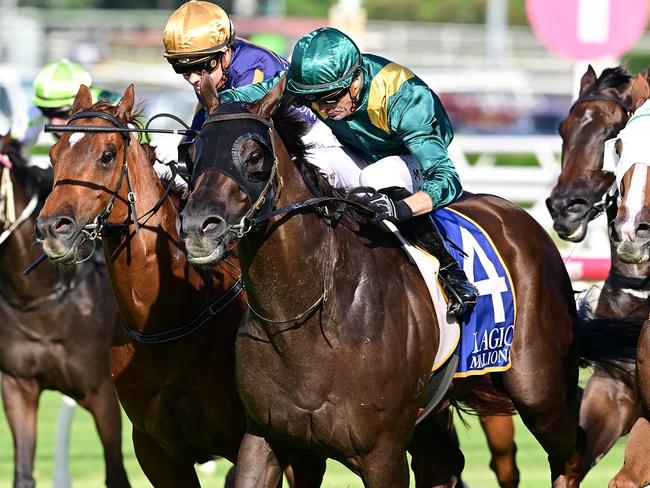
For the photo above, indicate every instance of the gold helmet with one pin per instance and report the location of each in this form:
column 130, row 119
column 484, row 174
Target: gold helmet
column 195, row 32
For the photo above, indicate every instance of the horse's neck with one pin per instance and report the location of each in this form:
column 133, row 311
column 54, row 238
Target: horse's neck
column 18, row 251
column 149, row 270
column 288, row 263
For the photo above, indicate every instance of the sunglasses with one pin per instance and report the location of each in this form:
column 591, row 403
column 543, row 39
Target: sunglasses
column 327, row 98
column 185, row 66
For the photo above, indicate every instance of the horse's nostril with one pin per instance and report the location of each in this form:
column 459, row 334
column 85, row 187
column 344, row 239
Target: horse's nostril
column 38, row 230
column 63, row 226
column 213, row 225
column 551, row 208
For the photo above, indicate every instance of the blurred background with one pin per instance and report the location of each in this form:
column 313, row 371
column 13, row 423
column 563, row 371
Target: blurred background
column 504, row 89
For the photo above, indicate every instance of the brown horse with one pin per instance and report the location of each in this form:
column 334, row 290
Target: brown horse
column 609, row 404
column 630, row 234
column 174, row 371
column 56, row 330
column 341, row 331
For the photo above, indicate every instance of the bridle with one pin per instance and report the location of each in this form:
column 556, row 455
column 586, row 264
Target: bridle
column 606, row 98
column 264, row 206
column 608, row 198
column 100, row 222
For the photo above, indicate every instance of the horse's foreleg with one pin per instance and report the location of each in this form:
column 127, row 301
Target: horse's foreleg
column 20, row 398
column 436, row 457
column 607, row 411
column 105, row 410
column 636, row 470
column 306, row 470
column 385, row 466
column 257, row 463
column 500, row 434
column 161, row 470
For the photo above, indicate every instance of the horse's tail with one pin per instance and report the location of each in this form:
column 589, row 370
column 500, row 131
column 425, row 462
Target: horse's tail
column 484, row 399
column 609, row 344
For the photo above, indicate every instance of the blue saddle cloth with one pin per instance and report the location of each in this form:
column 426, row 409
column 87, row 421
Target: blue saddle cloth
column 486, row 332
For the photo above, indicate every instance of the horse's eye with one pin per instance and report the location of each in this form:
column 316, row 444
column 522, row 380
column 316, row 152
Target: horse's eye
column 108, row 156
column 254, row 160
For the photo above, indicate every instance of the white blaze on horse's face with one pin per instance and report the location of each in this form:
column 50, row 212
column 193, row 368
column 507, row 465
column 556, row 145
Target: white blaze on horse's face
column 76, row 137
column 632, row 165
column 634, row 200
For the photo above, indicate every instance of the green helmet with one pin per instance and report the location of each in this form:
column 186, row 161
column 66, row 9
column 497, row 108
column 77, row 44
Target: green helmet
column 323, row 60
column 57, row 84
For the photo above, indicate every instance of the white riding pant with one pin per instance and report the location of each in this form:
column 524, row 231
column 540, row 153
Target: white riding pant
column 344, row 169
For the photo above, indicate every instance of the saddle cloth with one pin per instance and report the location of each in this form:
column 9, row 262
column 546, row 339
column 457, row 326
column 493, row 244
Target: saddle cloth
column 486, row 332
column 482, row 342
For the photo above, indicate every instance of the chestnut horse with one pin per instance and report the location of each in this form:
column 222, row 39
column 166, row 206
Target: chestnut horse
column 609, row 404
column 630, row 235
column 174, row 370
column 340, row 335
column 56, row 329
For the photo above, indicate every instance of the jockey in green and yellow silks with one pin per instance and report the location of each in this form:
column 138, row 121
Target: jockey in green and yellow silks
column 395, row 133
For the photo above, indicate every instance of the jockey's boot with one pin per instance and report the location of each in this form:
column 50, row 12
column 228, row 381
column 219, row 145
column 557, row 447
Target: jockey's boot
column 461, row 293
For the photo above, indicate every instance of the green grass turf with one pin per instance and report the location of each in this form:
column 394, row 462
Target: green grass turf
column 87, row 465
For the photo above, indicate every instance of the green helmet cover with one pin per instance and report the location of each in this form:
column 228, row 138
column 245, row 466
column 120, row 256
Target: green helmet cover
column 57, row 84
column 323, row 60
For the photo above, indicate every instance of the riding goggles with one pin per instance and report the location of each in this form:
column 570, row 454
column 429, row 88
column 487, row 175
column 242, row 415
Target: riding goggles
column 327, row 98
column 186, row 66
column 55, row 113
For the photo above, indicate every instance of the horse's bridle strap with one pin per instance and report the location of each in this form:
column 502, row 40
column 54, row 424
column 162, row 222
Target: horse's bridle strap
column 605, row 98
column 238, row 116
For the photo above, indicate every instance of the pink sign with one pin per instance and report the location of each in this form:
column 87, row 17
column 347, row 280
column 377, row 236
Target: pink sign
column 588, row 29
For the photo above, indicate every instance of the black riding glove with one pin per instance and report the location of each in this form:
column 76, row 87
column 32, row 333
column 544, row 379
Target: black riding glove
column 386, row 208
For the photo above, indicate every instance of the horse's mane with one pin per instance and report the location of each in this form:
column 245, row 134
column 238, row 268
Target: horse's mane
column 612, row 78
column 291, row 127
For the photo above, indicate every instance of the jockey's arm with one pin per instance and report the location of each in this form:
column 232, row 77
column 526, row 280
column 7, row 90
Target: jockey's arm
column 250, row 93
column 426, row 131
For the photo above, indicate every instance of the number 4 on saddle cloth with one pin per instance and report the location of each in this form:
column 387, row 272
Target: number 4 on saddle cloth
column 481, row 344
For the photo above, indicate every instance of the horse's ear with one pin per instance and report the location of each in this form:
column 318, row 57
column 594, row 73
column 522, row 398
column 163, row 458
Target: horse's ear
column 646, row 74
column 640, row 91
column 267, row 106
column 209, row 94
column 588, row 79
column 82, row 101
column 125, row 105
column 5, row 142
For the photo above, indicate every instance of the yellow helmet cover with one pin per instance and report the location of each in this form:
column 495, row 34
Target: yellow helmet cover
column 197, row 28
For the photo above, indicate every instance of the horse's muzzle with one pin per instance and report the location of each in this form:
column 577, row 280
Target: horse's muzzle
column 59, row 237
column 206, row 238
